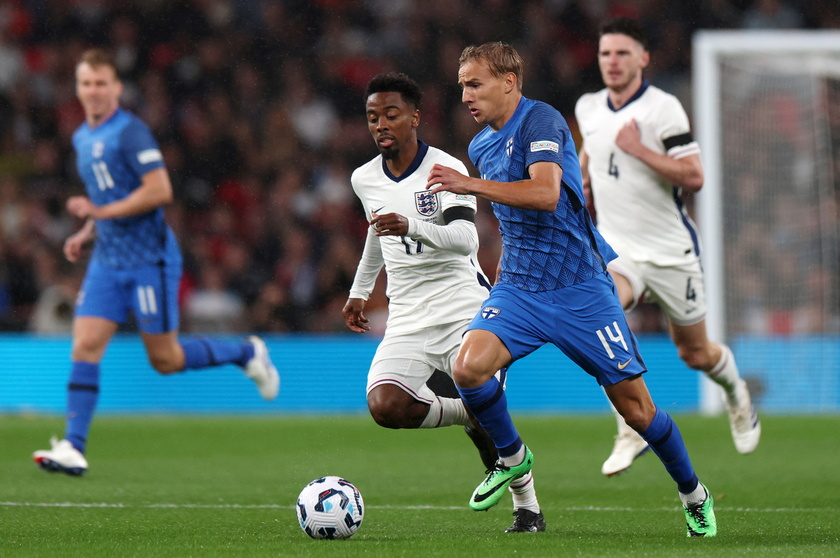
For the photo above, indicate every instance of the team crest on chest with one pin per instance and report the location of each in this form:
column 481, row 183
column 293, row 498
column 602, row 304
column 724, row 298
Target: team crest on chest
column 98, row 149
column 509, row 146
column 426, row 203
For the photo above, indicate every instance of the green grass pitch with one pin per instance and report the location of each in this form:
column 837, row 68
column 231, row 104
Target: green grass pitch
column 226, row 486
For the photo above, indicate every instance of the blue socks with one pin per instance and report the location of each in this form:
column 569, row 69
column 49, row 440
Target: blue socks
column 83, row 386
column 82, row 395
column 201, row 352
column 666, row 442
column 489, row 405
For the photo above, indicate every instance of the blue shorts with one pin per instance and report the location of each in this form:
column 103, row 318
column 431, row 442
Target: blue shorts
column 585, row 321
column 150, row 292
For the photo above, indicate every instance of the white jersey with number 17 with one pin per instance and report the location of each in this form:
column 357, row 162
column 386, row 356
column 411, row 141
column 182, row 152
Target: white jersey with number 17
column 640, row 214
column 426, row 286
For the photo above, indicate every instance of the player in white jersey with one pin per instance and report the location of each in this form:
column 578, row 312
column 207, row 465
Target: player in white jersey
column 428, row 244
column 637, row 157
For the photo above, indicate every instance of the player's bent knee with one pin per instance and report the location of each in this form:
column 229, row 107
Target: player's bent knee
column 637, row 413
column 86, row 350
column 383, row 409
column 466, row 375
column 383, row 418
column 638, row 421
column 164, row 365
column 697, row 358
column 391, row 407
column 387, row 414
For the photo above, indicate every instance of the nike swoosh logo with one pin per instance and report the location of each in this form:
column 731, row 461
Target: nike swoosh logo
column 378, row 210
column 623, row 365
column 482, row 497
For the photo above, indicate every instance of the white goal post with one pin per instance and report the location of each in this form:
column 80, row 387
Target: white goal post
column 789, row 54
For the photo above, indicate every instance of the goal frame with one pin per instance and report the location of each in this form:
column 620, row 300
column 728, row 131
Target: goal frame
column 707, row 48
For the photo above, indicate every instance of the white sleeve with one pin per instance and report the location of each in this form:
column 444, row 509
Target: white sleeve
column 369, row 267
column 674, row 130
column 460, row 236
column 581, row 112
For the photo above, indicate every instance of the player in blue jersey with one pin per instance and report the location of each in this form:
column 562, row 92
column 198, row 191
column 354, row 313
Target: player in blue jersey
column 136, row 263
column 428, row 247
column 553, row 285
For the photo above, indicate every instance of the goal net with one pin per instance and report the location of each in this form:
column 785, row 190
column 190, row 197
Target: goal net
column 767, row 116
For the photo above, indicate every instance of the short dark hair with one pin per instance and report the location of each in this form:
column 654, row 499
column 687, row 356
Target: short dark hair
column 396, row 82
column 625, row 26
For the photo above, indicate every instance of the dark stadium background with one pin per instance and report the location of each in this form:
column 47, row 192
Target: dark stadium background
column 258, row 108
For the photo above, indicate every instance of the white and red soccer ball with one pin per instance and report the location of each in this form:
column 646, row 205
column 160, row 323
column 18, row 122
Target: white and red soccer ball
column 330, row 508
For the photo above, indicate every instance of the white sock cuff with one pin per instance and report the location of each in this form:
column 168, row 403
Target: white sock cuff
column 446, row 411
column 522, row 482
column 435, row 415
column 698, row 496
column 515, row 459
column 523, row 493
column 726, row 356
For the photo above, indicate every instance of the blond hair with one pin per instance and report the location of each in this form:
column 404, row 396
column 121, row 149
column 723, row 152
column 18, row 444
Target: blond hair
column 96, row 58
column 501, row 59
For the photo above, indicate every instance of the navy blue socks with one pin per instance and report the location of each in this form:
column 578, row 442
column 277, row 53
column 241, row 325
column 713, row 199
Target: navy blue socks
column 82, row 395
column 489, row 405
column 201, row 352
column 665, row 440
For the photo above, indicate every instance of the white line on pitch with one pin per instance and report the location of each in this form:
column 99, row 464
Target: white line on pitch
column 453, row 508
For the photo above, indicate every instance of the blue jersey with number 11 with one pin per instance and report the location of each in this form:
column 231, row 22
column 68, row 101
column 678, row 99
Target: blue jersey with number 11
column 112, row 159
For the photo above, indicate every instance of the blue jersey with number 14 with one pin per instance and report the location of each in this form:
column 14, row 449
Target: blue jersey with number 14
column 112, row 159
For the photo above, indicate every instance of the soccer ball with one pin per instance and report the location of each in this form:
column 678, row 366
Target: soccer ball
column 330, row 508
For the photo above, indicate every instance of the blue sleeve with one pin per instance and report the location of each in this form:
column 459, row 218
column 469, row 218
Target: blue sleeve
column 139, row 148
column 544, row 134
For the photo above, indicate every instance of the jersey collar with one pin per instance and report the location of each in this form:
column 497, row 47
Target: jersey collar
column 422, row 149
column 109, row 119
column 636, row 95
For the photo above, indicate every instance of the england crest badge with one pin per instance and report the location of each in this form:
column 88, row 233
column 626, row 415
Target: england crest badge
column 426, row 203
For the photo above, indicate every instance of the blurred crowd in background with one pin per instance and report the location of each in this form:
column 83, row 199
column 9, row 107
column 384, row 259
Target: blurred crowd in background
column 258, row 107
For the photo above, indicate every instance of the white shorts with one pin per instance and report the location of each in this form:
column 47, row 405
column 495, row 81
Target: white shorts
column 408, row 360
column 678, row 290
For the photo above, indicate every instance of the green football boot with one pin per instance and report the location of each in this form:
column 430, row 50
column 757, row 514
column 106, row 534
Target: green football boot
column 498, row 479
column 700, row 519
